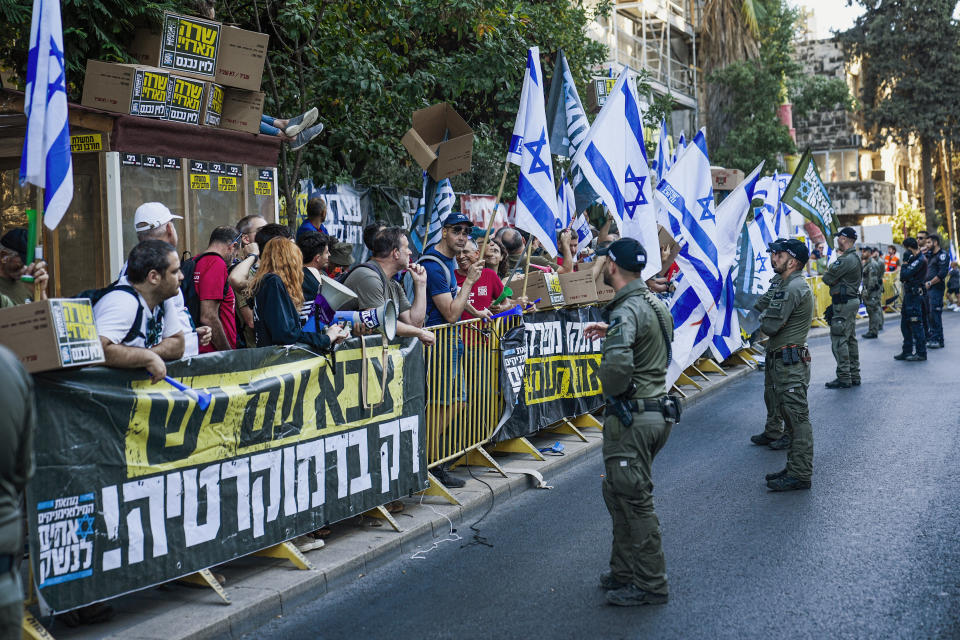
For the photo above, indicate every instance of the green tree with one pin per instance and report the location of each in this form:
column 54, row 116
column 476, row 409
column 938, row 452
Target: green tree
column 909, row 90
column 907, row 221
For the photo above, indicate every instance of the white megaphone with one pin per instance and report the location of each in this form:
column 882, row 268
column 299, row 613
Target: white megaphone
column 383, row 319
column 332, row 296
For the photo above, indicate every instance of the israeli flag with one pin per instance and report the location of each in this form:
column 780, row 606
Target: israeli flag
column 692, row 328
column 442, row 206
column 731, row 215
column 584, row 235
column 515, row 152
column 661, row 163
column 613, row 159
column 681, row 145
column 537, row 211
column 566, row 205
column 761, row 235
column 46, row 160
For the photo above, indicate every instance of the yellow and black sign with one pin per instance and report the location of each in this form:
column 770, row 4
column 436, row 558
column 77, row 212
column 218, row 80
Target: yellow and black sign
column 263, row 188
column 186, row 101
column 86, row 142
column 151, row 93
column 189, row 44
column 199, row 181
column 226, row 183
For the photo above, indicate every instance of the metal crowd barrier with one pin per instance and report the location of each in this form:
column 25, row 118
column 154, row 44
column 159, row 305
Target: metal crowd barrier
column 463, row 387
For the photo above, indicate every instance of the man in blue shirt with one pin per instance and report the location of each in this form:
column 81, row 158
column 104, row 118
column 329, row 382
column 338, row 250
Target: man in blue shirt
column 445, row 304
column 316, row 216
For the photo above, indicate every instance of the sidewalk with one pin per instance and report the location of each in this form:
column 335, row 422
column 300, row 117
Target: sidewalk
column 260, row 588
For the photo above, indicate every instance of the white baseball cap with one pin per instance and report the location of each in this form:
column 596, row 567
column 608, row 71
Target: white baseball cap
column 151, row 215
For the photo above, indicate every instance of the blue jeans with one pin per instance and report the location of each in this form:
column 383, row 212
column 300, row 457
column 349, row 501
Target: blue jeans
column 935, row 321
column 266, row 125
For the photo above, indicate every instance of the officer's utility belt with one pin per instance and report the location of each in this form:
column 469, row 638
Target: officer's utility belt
column 840, row 298
column 6, row 563
column 791, row 354
column 667, row 406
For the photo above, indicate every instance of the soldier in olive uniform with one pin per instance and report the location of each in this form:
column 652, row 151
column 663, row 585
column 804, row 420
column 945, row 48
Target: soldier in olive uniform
column 872, row 291
column 773, row 435
column 843, row 278
column 787, row 322
column 639, row 417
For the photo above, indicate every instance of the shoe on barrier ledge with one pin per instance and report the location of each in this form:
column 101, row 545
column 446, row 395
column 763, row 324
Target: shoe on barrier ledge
column 634, row 596
column 447, row 480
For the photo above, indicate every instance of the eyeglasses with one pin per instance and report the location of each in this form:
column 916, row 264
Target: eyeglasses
column 460, row 231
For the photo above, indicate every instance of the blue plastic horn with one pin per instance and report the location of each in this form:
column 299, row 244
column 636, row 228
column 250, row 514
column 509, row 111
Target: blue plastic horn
column 202, row 398
column 513, row 311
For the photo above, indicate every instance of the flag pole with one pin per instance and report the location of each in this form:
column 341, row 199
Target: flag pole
column 496, row 204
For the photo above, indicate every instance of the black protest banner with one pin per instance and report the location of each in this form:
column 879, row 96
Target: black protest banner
column 548, row 371
column 135, row 486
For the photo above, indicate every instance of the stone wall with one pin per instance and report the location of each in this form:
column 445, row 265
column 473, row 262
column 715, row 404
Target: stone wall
column 824, row 129
column 862, row 198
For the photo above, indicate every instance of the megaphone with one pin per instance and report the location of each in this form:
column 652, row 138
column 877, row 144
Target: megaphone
column 332, row 296
column 507, row 292
column 383, row 319
column 513, row 311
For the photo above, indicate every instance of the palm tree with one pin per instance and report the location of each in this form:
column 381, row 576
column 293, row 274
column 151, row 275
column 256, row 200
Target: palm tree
column 729, row 33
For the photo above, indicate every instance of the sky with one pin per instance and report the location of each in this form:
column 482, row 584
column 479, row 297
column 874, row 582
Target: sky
column 830, row 14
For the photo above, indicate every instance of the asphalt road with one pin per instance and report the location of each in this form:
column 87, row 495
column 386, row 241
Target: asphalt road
column 872, row 551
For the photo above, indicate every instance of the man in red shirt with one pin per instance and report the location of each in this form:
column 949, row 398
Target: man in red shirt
column 486, row 289
column 215, row 294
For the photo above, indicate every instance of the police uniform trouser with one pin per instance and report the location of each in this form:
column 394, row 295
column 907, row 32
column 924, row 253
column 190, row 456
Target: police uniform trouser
column 636, row 556
column 11, row 606
column 935, row 300
column 773, row 429
column 874, row 311
column 790, row 387
column 911, row 324
column 843, row 340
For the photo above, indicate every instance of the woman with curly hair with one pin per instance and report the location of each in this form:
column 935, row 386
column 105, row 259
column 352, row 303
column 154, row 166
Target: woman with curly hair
column 494, row 258
column 278, row 297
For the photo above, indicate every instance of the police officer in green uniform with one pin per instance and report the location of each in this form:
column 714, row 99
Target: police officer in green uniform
column 843, row 277
column 773, row 435
column 787, row 321
column 881, row 269
column 639, row 417
column 872, row 291
column 16, row 467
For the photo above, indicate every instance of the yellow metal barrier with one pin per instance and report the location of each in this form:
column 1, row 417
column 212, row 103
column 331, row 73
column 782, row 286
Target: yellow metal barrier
column 463, row 387
column 821, row 299
column 891, row 289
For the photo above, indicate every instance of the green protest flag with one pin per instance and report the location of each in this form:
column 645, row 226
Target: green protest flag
column 807, row 195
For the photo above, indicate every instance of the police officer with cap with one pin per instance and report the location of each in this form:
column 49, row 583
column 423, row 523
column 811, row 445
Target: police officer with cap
column 787, row 321
column 773, row 435
column 843, row 277
column 913, row 272
column 639, row 416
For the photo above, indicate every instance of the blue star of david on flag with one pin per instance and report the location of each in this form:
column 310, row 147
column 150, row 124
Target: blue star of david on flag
column 536, row 149
column 637, row 181
column 705, row 203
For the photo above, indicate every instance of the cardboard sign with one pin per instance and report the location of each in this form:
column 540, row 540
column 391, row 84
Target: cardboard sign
column 725, row 179
column 212, row 105
column 52, row 334
column 585, row 286
column 241, row 110
column 186, row 100
column 126, row 88
column 669, row 246
column 86, row 142
column 440, row 141
column 241, row 58
column 545, row 286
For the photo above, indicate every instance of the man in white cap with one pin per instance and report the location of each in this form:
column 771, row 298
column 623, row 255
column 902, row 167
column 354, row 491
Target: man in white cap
column 154, row 221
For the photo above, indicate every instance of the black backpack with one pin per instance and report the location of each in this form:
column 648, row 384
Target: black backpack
column 95, row 295
column 190, row 298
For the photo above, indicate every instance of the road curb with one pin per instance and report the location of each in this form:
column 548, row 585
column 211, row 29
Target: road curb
column 261, row 589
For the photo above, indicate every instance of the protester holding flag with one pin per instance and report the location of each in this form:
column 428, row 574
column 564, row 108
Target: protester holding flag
column 787, row 321
column 13, row 265
column 638, row 420
column 844, row 277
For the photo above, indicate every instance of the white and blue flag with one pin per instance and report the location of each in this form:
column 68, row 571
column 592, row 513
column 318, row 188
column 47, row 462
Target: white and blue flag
column 661, row 163
column 46, row 160
column 731, row 215
column 681, row 145
column 613, row 159
column 584, row 235
column 442, row 206
column 566, row 205
column 686, row 193
column 537, row 211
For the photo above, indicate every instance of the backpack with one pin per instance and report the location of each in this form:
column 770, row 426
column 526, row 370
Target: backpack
column 408, row 279
column 95, row 295
column 190, row 297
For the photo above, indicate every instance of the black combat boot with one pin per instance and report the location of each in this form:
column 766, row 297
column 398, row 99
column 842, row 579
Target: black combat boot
column 774, row 476
column 901, row 356
column 761, row 439
column 780, row 444
column 443, row 476
column 916, row 357
column 633, row 596
column 837, row 383
column 787, row 483
column 609, row 583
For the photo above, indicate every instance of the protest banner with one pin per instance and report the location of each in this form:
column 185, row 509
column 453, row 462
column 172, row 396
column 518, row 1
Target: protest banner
column 548, row 371
column 135, row 485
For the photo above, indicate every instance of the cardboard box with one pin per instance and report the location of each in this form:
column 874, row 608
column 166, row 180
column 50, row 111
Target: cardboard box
column 212, row 105
column 186, row 46
column 126, row 88
column 241, row 58
column 666, row 240
column 545, row 286
column 241, row 110
column 52, row 334
column 725, row 179
column 187, row 99
column 440, row 141
column 586, row 286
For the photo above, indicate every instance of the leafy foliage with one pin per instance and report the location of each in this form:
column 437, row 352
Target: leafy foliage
column 907, row 218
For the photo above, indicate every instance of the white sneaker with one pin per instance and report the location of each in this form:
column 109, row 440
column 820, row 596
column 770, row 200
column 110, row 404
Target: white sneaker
column 307, row 543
